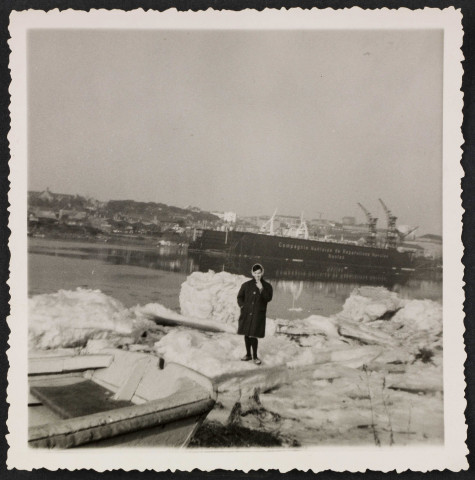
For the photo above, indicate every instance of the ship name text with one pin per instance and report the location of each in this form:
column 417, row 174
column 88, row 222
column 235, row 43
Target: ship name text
column 333, row 252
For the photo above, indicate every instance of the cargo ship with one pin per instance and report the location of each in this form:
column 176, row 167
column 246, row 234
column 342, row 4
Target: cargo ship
column 256, row 245
column 297, row 247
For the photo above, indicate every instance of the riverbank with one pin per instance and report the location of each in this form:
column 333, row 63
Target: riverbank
column 370, row 374
column 119, row 239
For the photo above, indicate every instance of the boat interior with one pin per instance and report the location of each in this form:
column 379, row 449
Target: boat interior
column 69, row 394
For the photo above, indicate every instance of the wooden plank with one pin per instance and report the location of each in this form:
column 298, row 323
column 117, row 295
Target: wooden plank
column 53, row 364
column 32, row 400
column 127, row 390
column 77, row 400
column 364, row 334
column 178, row 322
column 78, row 431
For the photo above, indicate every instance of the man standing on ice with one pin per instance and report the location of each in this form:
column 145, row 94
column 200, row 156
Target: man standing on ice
column 253, row 298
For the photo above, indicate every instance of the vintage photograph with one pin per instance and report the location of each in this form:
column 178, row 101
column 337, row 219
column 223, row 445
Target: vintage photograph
column 234, row 236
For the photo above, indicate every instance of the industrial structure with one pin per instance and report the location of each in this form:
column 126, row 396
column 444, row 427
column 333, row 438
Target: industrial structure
column 371, row 222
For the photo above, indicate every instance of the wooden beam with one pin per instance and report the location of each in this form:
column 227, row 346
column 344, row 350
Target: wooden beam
column 62, row 364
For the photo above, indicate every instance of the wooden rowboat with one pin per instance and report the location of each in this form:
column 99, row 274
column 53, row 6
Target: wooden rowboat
column 114, row 398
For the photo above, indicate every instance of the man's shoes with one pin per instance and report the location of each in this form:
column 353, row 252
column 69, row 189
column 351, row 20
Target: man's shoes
column 246, row 358
column 257, row 361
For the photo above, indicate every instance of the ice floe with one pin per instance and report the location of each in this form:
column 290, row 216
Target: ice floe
column 320, row 376
column 370, row 303
column 69, row 318
column 211, row 296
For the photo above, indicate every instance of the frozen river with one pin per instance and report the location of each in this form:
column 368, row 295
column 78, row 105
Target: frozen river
column 342, row 363
column 140, row 275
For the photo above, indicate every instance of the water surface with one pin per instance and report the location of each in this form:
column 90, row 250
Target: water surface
column 140, row 275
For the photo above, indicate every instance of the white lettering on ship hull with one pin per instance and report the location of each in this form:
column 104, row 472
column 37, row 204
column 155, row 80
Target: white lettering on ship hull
column 334, row 253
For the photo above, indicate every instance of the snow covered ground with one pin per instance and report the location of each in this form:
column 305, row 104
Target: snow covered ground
column 370, row 374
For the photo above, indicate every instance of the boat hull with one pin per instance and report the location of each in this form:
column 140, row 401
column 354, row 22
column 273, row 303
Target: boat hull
column 129, row 401
column 245, row 244
column 173, row 427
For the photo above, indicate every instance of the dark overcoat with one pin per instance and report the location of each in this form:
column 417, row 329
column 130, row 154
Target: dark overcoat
column 253, row 303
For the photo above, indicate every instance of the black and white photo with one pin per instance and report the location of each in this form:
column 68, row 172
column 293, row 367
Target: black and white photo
column 236, row 235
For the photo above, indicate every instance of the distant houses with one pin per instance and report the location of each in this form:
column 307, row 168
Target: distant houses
column 228, row 217
column 42, row 215
column 430, row 244
column 62, row 213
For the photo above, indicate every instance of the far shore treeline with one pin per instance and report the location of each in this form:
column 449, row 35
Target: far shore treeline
column 65, row 215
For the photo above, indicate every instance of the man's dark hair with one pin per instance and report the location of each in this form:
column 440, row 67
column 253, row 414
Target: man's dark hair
column 256, row 267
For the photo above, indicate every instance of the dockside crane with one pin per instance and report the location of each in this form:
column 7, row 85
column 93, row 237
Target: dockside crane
column 404, row 231
column 392, row 234
column 371, row 222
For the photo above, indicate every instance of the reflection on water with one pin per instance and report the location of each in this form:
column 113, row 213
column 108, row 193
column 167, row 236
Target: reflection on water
column 322, row 288
column 295, row 288
column 298, row 288
column 289, row 270
column 170, row 258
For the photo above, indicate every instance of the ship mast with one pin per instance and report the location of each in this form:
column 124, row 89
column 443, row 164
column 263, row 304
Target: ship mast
column 371, row 222
column 392, row 233
column 269, row 225
column 302, row 230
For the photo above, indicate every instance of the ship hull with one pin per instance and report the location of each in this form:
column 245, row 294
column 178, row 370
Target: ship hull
column 254, row 245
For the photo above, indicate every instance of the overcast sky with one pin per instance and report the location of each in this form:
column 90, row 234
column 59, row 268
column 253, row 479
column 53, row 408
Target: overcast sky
column 301, row 121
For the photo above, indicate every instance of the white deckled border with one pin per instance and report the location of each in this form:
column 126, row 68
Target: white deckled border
column 450, row 456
